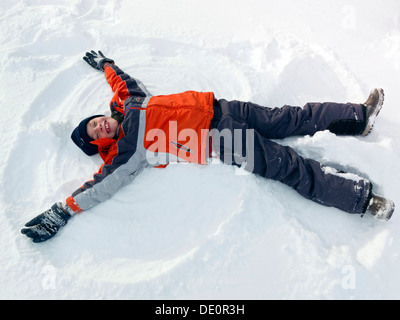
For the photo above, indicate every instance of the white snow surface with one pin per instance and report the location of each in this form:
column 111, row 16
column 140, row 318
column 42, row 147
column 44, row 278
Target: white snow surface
column 193, row 231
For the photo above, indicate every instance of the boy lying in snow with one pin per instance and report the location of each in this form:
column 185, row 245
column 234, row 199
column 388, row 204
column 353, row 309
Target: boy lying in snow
column 151, row 131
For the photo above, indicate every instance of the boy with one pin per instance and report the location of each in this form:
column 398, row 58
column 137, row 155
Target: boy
column 151, row 131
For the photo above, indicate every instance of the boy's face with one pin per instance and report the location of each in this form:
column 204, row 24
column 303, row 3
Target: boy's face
column 102, row 127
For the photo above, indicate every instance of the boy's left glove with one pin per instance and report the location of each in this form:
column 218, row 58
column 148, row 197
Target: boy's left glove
column 96, row 60
column 46, row 225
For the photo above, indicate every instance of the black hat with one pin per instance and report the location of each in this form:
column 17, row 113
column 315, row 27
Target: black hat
column 82, row 139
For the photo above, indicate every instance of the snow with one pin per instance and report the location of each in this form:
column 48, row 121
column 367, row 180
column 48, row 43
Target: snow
column 192, row 231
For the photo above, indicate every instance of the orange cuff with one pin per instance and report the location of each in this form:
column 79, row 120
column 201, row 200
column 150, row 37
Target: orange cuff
column 73, row 205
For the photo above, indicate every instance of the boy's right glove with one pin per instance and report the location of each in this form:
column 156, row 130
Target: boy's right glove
column 96, row 60
column 46, row 225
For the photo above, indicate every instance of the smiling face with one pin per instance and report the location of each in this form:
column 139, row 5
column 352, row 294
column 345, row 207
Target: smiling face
column 102, row 127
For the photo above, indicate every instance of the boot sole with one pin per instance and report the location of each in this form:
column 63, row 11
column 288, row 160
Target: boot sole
column 390, row 211
column 386, row 212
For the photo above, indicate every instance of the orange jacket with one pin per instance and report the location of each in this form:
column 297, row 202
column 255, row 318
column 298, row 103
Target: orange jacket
column 155, row 131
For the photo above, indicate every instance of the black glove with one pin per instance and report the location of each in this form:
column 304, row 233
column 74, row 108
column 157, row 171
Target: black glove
column 46, row 225
column 96, row 60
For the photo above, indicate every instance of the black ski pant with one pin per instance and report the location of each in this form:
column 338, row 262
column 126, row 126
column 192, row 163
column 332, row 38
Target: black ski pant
column 241, row 133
